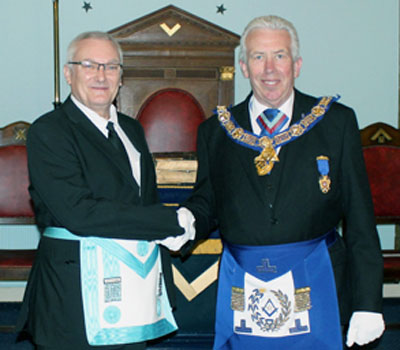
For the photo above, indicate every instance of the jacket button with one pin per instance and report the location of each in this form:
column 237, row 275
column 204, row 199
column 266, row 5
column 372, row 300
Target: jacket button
column 274, row 221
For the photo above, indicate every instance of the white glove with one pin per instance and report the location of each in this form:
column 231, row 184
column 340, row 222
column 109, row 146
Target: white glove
column 174, row 243
column 364, row 328
column 186, row 221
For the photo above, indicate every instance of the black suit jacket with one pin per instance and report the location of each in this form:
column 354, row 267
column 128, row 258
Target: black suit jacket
column 288, row 205
column 78, row 181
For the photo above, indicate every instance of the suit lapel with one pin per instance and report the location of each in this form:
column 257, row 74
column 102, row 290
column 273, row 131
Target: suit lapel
column 247, row 155
column 291, row 152
column 138, row 141
column 89, row 131
column 280, row 172
column 300, row 107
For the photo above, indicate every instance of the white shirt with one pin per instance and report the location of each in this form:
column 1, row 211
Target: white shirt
column 101, row 124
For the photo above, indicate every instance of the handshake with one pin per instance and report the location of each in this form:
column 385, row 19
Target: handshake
column 186, row 221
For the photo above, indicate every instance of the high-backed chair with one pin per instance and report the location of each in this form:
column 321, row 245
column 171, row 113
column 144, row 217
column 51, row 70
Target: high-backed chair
column 170, row 118
column 15, row 203
column 381, row 147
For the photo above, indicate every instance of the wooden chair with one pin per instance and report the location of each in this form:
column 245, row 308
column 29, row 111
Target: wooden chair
column 381, row 147
column 15, row 203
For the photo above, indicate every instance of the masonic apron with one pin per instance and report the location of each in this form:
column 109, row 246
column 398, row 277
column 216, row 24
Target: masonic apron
column 123, row 290
column 278, row 297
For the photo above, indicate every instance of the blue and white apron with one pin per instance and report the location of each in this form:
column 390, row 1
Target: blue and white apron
column 277, row 297
column 123, row 289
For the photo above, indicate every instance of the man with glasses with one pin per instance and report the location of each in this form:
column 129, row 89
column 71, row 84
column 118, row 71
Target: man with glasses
column 99, row 279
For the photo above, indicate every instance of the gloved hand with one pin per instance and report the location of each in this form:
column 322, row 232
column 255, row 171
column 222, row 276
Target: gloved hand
column 174, row 243
column 364, row 327
column 186, row 221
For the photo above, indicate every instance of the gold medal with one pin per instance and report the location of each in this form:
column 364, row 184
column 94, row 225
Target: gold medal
column 323, row 168
column 265, row 160
column 324, row 183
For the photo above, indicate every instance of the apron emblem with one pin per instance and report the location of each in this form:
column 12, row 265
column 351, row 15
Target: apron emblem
column 266, row 266
column 302, row 299
column 270, row 310
column 112, row 289
column 237, row 299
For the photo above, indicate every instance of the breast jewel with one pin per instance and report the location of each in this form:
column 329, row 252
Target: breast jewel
column 264, row 162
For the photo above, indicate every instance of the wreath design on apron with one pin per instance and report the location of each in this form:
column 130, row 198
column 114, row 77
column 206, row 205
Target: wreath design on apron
column 259, row 308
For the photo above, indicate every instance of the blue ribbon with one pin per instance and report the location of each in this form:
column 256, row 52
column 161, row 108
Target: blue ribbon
column 323, row 166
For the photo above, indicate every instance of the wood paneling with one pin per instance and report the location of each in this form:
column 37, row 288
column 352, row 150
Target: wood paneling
column 171, row 48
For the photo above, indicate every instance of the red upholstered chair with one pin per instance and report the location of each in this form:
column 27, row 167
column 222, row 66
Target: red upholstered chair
column 15, row 203
column 381, row 147
column 170, row 118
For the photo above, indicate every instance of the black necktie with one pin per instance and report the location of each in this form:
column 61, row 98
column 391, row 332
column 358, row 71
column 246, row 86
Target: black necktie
column 116, row 142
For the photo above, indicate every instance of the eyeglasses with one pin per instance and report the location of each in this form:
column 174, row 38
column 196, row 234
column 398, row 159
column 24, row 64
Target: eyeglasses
column 92, row 67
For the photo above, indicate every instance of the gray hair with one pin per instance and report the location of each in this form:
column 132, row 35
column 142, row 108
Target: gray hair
column 71, row 50
column 270, row 22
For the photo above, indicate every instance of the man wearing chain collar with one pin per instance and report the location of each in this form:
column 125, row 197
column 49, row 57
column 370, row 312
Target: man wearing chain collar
column 287, row 278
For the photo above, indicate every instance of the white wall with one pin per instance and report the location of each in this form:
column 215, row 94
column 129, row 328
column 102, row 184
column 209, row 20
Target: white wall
column 349, row 48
